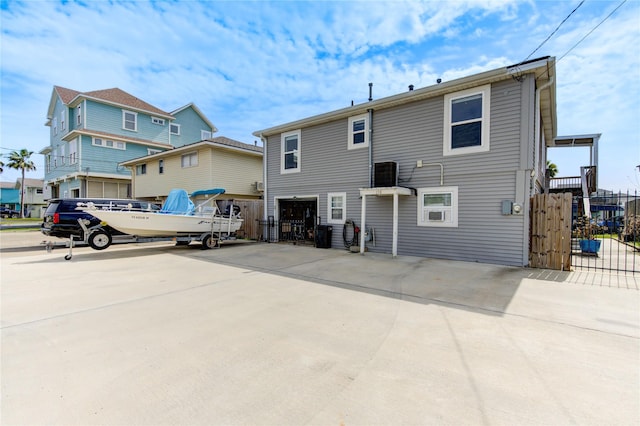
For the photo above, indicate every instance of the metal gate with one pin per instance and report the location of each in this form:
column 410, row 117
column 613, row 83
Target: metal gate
column 608, row 239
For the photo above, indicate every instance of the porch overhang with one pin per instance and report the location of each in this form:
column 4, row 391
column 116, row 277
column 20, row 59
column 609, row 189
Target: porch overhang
column 393, row 191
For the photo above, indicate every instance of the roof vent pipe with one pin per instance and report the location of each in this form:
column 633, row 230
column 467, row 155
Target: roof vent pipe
column 411, row 87
column 370, row 92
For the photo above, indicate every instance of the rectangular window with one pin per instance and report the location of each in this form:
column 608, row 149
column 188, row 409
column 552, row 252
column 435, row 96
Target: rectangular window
column 156, row 120
column 62, row 117
column 79, row 115
column 336, row 207
column 63, row 155
column 73, row 151
column 47, row 163
column 55, row 126
column 174, row 129
column 141, row 169
column 358, row 132
column 130, row 120
column 189, row 160
column 205, row 134
column 151, row 151
column 290, row 157
column 160, row 166
column 438, row 207
column 109, row 143
column 466, row 121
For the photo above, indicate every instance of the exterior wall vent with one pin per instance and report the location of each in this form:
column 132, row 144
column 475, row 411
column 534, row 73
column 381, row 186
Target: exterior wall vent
column 260, row 186
column 385, row 174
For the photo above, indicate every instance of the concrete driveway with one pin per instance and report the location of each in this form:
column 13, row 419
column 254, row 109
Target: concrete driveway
column 272, row 334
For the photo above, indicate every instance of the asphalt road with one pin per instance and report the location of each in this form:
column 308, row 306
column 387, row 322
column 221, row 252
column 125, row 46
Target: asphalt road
column 274, row 334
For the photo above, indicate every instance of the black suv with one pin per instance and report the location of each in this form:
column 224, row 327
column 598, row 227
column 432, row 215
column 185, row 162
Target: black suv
column 61, row 217
column 7, row 212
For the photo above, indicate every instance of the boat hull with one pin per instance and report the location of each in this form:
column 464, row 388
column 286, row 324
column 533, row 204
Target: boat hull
column 152, row 224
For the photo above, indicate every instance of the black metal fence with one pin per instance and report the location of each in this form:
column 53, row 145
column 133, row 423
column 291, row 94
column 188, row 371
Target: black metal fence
column 609, row 239
column 294, row 231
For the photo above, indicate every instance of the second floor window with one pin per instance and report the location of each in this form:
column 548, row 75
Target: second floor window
column 160, row 166
column 466, row 121
column 62, row 121
column 205, row 134
column 73, row 151
column 358, row 132
column 290, row 157
column 190, row 160
column 79, row 115
column 174, row 129
column 141, row 169
column 55, row 126
column 130, row 120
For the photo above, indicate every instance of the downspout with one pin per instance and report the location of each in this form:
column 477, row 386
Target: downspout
column 536, row 124
column 370, row 111
column 531, row 177
column 264, row 177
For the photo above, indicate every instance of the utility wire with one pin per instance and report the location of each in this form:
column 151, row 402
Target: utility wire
column 592, row 30
column 554, row 31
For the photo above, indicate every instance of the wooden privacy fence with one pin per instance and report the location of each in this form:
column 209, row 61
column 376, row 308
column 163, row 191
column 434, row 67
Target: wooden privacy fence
column 550, row 235
column 252, row 215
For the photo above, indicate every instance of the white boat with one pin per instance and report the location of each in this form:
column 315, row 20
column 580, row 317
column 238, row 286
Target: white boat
column 177, row 217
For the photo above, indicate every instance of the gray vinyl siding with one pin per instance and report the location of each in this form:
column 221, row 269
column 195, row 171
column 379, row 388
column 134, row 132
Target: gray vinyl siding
column 405, row 134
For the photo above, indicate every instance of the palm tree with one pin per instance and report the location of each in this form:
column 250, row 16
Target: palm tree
column 19, row 160
column 553, row 169
column 1, row 166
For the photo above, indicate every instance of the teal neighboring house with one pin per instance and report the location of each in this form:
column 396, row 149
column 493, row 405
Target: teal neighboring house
column 9, row 195
column 91, row 133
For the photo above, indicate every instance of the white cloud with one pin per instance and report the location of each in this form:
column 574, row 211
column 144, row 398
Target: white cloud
column 251, row 65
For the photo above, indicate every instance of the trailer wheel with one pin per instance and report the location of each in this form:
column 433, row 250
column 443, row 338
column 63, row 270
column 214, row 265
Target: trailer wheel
column 99, row 240
column 209, row 243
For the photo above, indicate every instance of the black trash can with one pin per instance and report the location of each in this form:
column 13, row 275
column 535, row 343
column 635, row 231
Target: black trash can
column 323, row 236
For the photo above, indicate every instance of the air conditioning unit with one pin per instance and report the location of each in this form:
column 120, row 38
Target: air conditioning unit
column 260, row 186
column 385, row 174
column 436, row 216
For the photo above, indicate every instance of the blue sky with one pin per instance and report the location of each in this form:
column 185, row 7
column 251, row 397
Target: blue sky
column 253, row 65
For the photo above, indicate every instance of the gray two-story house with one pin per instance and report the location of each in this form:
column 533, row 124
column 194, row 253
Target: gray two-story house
column 444, row 171
column 93, row 132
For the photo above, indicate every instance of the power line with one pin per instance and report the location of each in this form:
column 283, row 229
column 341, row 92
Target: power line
column 592, row 30
column 554, row 31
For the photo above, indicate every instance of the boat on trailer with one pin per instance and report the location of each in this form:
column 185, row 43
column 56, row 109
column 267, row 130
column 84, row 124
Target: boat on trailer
column 179, row 219
column 178, row 216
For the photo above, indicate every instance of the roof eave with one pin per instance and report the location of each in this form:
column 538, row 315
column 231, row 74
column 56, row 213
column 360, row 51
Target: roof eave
column 418, row 94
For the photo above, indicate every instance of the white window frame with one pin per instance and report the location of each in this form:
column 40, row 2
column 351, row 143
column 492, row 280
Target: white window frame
column 62, row 120
column 330, row 207
column 73, row 151
column 161, row 166
column 450, row 212
column 55, row 126
column 108, row 143
column 171, row 127
column 125, row 121
column 158, row 121
column 63, row 154
column 352, row 120
column 205, row 134
column 79, row 115
column 485, row 92
column 283, row 153
column 141, row 169
column 151, row 151
column 190, row 156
